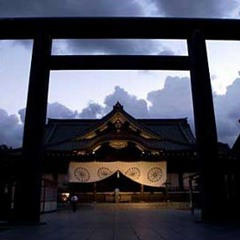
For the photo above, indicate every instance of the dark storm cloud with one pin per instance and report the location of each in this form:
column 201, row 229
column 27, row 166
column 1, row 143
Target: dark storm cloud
column 174, row 98
column 117, row 46
column 69, row 8
column 93, row 110
column 137, row 107
column 57, row 110
column 22, row 113
column 196, row 8
column 227, row 112
column 173, row 101
column 54, row 110
column 10, row 129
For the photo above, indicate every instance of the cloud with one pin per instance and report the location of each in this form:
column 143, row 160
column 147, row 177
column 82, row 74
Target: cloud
column 73, row 8
column 116, row 46
column 69, row 8
column 227, row 113
column 54, row 110
column 57, row 110
column 93, row 110
column 11, row 129
column 81, row 8
column 137, row 107
column 124, row 8
column 197, row 9
column 173, row 101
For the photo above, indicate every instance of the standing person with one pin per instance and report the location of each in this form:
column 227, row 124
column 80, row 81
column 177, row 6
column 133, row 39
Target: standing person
column 74, row 200
column 117, row 196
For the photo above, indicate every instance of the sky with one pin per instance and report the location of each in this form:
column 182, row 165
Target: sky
column 144, row 94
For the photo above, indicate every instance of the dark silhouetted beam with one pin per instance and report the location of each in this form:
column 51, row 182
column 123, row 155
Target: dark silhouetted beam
column 211, row 181
column 29, row 176
column 112, row 62
column 119, row 27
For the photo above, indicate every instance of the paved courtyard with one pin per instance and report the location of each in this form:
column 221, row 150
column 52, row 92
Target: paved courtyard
column 116, row 222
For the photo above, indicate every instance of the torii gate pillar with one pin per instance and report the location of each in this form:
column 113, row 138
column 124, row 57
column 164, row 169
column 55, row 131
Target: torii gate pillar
column 210, row 167
column 28, row 184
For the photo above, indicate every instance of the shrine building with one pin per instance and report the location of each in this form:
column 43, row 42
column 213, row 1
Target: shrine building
column 141, row 159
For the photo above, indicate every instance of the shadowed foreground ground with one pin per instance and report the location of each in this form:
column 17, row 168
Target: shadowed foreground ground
column 116, row 222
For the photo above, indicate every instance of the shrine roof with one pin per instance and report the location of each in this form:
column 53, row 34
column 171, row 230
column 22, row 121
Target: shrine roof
column 165, row 134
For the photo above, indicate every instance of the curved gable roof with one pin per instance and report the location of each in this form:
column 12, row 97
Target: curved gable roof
column 166, row 134
column 118, row 117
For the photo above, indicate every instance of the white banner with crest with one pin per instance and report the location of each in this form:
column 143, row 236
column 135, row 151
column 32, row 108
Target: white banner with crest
column 152, row 174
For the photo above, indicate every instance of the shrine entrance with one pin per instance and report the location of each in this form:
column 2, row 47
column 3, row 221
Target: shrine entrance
column 128, row 191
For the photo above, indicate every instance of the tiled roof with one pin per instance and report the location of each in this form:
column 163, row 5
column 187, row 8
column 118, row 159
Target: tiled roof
column 175, row 129
column 167, row 134
column 58, row 130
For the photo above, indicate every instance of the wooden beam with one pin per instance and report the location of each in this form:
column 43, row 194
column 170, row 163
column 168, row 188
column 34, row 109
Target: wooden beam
column 120, row 62
column 119, row 28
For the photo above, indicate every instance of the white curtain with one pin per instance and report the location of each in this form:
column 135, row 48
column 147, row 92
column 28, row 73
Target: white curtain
column 147, row 173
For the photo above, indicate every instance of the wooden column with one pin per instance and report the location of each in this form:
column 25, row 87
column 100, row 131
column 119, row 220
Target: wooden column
column 210, row 167
column 142, row 192
column 28, row 185
column 94, row 191
column 180, row 181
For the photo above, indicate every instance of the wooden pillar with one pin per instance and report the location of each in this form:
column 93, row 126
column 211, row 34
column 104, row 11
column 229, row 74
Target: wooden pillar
column 210, row 167
column 180, row 181
column 142, row 192
column 28, row 185
column 191, row 202
column 94, row 191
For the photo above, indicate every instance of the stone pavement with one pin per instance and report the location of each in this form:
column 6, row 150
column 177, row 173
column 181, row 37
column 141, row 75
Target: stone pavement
column 101, row 222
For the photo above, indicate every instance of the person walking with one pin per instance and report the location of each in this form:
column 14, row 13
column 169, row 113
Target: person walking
column 74, row 200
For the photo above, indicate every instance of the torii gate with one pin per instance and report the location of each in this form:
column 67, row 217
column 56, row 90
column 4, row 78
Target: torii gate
column 44, row 30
